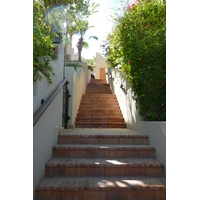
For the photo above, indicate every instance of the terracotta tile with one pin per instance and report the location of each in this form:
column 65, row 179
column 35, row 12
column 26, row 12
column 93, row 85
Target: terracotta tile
column 117, row 195
column 94, row 195
column 154, row 171
column 70, row 195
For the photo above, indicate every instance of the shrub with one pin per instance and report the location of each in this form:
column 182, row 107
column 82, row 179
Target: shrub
column 138, row 46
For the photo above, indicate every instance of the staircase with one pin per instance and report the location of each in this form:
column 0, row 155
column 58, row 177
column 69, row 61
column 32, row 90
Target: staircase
column 99, row 108
column 102, row 163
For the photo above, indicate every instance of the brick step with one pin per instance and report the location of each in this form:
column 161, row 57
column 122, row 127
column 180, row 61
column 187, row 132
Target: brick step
column 98, row 96
column 99, row 115
column 99, row 111
column 96, row 120
column 102, row 188
column 88, row 138
column 100, row 104
column 103, row 151
column 88, row 107
column 104, row 167
column 97, row 80
column 95, row 86
column 98, row 91
column 98, row 87
column 98, row 101
column 100, row 124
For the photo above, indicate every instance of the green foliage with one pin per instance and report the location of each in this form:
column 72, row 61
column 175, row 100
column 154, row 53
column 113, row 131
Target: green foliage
column 74, row 64
column 42, row 43
column 77, row 15
column 59, row 11
column 137, row 46
column 91, row 63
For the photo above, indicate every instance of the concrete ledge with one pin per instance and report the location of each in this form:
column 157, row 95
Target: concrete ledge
column 155, row 130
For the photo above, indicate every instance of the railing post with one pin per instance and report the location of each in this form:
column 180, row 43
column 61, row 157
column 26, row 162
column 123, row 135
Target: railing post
column 67, row 96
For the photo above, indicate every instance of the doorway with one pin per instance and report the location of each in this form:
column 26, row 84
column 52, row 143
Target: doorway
column 102, row 73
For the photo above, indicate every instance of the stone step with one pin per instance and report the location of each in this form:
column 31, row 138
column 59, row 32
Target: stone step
column 100, row 124
column 102, row 188
column 99, row 111
column 102, row 120
column 104, row 167
column 106, row 138
column 103, row 151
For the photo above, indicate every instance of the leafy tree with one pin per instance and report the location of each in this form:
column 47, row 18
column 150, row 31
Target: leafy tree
column 43, row 22
column 137, row 46
column 83, row 27
column 42, row 43
column 91, row 63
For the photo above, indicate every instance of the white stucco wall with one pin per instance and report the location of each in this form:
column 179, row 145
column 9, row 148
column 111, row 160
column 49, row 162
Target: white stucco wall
column 45, row 136
column 100, row 63
column 78, row 80
column 70, row 51
column 72, row 54
column 155, row 130
column 44, row 133
column 42, row 89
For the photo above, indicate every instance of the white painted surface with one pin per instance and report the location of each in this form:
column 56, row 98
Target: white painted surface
column 78, row 80
column 155, row 130
column 72, row 54
column 100, row 63
column 45, row 137
column 45, row 131
column 42, row 89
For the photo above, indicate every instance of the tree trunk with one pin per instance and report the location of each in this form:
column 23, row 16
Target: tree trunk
column 79, row 55
column 80, row 46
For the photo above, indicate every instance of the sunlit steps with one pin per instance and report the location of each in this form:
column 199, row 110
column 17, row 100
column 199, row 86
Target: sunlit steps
column 100, row 125
column 103, row 151
column 104, row 167
column 102, row 164
column 103, row 120
column 102, row 188
column 103, row 137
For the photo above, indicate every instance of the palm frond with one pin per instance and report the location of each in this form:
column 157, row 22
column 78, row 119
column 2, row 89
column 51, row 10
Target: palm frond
column 94, row 37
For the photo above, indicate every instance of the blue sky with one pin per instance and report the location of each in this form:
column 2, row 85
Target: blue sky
column 103, row 25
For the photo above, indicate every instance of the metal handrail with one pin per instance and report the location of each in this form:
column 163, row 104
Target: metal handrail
column 108, row 73
column 44, row 106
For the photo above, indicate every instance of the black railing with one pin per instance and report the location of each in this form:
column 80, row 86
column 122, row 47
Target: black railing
column 66, row 96
column 48, row 101
column 108, row 73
